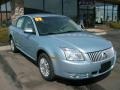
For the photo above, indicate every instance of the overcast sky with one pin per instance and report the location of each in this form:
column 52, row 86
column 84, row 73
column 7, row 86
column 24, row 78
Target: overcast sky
column 8, row 7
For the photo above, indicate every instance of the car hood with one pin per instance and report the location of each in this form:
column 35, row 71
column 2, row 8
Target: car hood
column 84, row 41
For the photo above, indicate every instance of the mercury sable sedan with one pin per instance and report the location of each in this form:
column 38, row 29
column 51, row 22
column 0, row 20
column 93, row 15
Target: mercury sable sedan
column 61, row 47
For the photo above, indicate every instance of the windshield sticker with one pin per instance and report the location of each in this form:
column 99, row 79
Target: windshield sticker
column 38, row 19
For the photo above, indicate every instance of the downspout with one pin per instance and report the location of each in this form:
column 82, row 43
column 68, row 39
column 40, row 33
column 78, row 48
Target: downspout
column 0, row 15
column 44, row 5
column 118, row 14
column 104, row 12
column 112, row 12
column 62, row 7
column 6, row 11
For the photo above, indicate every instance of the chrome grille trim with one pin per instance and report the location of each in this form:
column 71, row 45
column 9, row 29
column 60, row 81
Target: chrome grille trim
column 99, row 55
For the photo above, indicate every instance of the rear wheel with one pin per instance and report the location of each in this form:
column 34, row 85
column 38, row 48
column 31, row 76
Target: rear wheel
column 46, row 67
column 12, row 45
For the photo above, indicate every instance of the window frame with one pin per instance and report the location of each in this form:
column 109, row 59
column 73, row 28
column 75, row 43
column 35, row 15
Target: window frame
column 34, row 29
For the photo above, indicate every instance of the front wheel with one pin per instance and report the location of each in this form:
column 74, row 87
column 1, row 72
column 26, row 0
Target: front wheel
column 12, row 45
column 46, row 67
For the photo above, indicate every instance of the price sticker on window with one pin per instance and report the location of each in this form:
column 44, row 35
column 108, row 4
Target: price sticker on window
column 38, row 19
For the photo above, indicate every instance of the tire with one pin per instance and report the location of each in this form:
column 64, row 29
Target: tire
column 46, row 67
column 12, row 45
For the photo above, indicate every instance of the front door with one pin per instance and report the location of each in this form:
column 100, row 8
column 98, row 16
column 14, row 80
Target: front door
column 18, row 32
column 29, row 39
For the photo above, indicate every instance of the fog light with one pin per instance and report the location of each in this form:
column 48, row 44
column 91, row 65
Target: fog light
column 84, row 75
column 72, row 75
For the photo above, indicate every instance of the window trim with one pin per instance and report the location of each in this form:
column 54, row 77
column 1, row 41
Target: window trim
column 32, row 23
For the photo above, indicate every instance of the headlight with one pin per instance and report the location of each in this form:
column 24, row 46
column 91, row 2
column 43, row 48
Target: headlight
column 72, row 54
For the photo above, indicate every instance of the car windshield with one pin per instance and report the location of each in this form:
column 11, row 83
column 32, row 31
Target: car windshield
column 56, row 25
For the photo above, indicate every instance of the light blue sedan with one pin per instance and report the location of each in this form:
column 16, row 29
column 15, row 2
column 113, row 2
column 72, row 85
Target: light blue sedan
column 61, row 47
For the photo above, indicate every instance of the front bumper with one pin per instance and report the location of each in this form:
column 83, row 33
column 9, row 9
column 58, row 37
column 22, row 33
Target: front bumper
column 82, row 69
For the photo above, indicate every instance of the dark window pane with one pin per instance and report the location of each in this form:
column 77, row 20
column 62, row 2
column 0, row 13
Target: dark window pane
column 70, row 8
column 37, row 4
column 54, row 6
column 56, row 25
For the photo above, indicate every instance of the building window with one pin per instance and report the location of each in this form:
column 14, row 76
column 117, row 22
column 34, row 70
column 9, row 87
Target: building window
column 110, row 13
column 5, row 13
column 99, row 12
column 115, row 13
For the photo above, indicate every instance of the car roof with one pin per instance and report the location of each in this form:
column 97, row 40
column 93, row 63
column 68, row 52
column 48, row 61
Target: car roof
column 43, row 15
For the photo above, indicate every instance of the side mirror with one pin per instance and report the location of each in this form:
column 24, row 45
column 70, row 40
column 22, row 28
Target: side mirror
column 28, row 30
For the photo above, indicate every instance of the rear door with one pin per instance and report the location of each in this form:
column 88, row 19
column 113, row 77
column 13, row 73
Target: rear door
column 18, row 31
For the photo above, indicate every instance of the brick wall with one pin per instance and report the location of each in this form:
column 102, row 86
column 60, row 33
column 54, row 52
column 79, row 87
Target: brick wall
column 18, row 9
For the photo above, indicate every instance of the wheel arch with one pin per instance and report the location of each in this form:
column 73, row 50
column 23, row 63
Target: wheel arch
column 52, row 75
column 40, row 51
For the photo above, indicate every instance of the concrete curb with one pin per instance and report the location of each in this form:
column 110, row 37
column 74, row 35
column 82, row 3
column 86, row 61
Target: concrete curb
column 4, row 48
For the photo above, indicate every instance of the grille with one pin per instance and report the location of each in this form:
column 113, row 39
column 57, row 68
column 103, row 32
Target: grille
column 101, row 55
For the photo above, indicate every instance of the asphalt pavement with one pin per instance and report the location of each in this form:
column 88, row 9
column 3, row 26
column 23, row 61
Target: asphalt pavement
column 18, row 72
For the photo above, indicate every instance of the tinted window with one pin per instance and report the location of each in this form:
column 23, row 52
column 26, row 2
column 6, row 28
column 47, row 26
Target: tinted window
column 56, row 25
column 28, row 24
column 20, row 22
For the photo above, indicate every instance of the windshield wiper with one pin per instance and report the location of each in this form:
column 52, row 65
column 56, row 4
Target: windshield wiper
column 71, row 31
column 50, row 33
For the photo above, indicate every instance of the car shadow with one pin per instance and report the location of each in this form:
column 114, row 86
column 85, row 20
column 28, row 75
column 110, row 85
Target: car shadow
column 95, row 87
column 29, row 59
column 86, row 84
column 76, row 84
column 88, row 87
column 81, row 82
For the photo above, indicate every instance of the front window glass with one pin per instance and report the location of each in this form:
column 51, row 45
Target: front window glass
column 20, row 22
column 28, row 24
column 56, row 25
